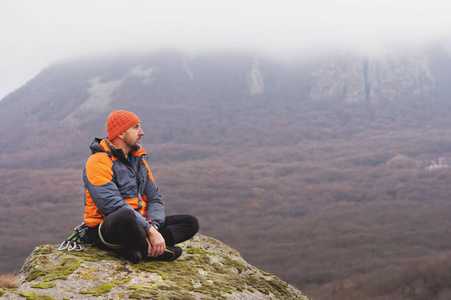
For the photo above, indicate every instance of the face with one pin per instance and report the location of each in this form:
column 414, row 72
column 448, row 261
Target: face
column 132, row 137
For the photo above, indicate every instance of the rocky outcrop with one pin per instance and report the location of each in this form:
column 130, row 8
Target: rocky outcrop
column 375, row 80
column 208, row 269
column 255, row 79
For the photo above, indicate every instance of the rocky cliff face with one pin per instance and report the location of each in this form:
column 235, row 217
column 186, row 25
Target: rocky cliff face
column 208, row 269
column 374, row 80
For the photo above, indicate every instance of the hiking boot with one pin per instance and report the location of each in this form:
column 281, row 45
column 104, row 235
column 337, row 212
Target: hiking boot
column 170, row 254
column 132, row 256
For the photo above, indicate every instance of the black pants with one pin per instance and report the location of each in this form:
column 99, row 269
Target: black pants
column 122, row 233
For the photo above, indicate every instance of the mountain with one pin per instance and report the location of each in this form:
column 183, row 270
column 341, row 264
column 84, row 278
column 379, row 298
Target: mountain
column 331, row 172
column 215, row 99
column 208, row 270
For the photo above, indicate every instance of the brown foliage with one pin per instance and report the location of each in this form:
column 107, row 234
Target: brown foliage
column 8, row 281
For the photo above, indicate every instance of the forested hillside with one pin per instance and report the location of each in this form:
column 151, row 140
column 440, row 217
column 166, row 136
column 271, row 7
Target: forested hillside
column 330, row 173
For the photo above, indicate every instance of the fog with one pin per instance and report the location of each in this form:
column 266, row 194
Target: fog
column 37, row 33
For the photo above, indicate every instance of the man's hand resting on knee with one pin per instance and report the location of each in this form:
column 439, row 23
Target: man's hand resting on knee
column 156, row 243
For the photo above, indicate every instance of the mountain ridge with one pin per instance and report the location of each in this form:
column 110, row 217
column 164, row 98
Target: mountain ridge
column 213, row 92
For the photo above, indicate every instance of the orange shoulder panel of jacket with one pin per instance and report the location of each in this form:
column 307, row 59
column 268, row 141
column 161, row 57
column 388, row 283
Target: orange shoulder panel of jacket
column 98, row 169
column 104, row 145
column 148, row 169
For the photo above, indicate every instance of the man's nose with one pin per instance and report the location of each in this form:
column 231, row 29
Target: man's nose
column 141, row 132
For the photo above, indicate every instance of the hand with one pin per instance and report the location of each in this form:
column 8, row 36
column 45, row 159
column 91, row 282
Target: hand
column 156, row 243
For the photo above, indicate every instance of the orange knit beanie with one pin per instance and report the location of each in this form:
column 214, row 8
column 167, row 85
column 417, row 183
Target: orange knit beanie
column 119, row 121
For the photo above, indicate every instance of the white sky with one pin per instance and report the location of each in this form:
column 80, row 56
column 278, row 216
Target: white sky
column 35, row 33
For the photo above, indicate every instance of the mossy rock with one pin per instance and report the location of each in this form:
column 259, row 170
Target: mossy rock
column 208, row 269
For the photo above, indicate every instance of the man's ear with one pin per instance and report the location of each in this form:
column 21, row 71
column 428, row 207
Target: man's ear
column 121, row 135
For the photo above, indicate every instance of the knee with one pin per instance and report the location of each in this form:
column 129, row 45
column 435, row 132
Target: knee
column 124, row 214
column 194, row 224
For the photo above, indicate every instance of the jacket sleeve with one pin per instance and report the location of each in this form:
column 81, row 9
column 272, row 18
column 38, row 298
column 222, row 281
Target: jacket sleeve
column 97, row 179
column 155, row 208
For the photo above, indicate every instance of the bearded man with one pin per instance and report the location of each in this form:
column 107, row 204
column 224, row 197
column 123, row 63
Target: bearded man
column 123, row 206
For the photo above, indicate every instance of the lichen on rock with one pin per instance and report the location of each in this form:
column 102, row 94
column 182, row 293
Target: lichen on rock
column 208, row 269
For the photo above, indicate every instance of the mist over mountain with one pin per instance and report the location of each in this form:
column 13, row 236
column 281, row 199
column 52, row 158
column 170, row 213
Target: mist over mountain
column 316, row 170
column 217, row 99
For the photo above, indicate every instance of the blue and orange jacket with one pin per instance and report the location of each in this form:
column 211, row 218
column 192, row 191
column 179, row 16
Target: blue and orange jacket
column 112, row 182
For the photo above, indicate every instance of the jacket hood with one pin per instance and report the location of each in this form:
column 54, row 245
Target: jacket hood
column 96, row 147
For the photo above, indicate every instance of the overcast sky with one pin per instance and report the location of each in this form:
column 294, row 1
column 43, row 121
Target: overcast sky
column 35, row 33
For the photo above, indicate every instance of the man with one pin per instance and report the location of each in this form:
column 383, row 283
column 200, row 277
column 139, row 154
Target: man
column 123, row 205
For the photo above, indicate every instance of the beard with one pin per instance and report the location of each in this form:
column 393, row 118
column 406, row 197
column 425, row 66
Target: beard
column 133, row 146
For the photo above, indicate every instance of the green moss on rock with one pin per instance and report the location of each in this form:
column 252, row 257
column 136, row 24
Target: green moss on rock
column 159, row 291
column 44, row 285
column 211, row 290
column 67, row 266
column 91, row 253
column 273, row 286
column 124, row 280
column 45, row 249
column 33, row 296
column 209, row 273
column 194, row 250
column 35, row 274
column 102, row 289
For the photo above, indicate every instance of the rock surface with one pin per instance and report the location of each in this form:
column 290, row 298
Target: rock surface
column 376, row 80
column 208, row 269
